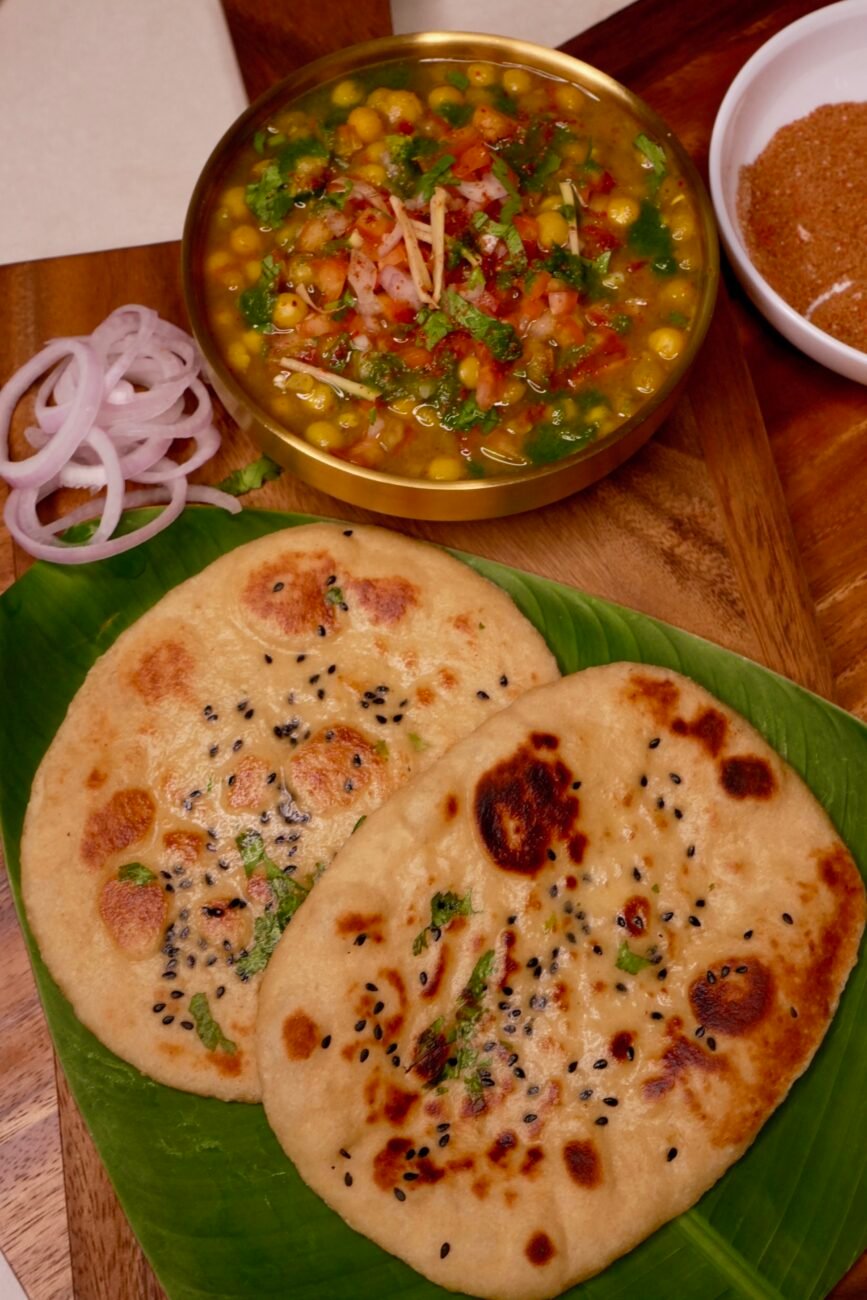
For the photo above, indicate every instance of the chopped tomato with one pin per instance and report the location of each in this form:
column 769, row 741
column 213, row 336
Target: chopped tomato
column 414, row 357
column 329, row 276
column 568, row 331
column 312, row 235
column 367, row 452
column 527, row 227
column 315, row 326
column 493, row 125
column 562, row 302
column 610, row 352
column 345, row 140
column 474, row 159
column 397, row 256
column 603, row 183
column 400, row 312
column 372, row 224
column 601, row 239
column 488, row 386
column 538, row 286
column 462, row 139
column 528, row 309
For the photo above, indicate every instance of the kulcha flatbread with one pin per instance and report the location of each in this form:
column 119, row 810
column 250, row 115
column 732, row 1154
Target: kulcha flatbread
column 221, row 752
column 603, row 936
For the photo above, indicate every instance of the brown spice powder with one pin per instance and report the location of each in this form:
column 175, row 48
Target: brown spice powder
column 802, row 207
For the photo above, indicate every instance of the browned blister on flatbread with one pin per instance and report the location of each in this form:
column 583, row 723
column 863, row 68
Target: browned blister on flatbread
column 554, row 987
column 221, row 752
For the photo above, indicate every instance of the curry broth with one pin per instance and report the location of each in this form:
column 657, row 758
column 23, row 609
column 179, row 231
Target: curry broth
column 448, row 270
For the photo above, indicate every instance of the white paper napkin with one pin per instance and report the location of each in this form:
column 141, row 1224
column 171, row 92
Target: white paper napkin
column 547, row 22
column 10, row 1288
column 108, row 110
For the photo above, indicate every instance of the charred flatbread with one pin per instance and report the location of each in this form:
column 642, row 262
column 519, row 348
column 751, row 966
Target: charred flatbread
column 220, row 753
column 604, row 936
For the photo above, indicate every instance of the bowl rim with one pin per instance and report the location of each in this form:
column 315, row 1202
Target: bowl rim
column 448, row 46
column 729, row 227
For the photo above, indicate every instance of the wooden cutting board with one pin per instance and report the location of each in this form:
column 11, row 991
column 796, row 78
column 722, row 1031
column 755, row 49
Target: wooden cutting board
column 693, row 530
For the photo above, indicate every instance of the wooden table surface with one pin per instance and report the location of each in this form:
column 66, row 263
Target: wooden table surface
column 741, row 520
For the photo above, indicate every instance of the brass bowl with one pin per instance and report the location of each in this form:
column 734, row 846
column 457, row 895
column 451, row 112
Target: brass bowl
column 421, row 498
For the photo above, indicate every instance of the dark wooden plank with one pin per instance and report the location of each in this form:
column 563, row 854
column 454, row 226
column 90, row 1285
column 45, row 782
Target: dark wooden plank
column 272, row 39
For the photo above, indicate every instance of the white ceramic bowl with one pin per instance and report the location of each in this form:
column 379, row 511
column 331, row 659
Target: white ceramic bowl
column 821, row 59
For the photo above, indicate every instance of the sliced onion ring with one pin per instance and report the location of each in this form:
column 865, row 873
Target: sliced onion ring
column 108, row 409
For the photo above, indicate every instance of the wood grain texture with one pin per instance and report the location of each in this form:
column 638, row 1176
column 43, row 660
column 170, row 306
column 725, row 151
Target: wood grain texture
column 272, row 38
column 757, row 525
column 817, row 424
column 107, row 1262
column 692, row 530
column 32, row 1203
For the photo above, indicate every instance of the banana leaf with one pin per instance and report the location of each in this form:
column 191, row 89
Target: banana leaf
column 219, row 1210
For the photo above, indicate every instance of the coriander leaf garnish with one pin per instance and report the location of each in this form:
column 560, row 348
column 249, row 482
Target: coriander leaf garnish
column 550, row 442
column 435, row 325
column 499, row 337
column 335, row 596
column 458, row 79
column 443, row 910
column 288, row 893
column 469, row 415
column 267, row 198
column 655, row 155
column 250, row 477
column 362, row 819
column 456, row 115
column 502, row 101
column 417, row 743
column 535, row 156
column 439, row 174
column 517, row 259
column 339, row 305
column 582, row 273
column 630, row 961
column 207, row 1028
column 336, row 198
column 504, row 176
column 385, row 372
column 434, row 1060
column 597, row 269
column 649, row 236
column 272, row 196
column 257, row 303
column 251, row 846
column 476, row 986
column 402, row 167
column 266, row 935
column 136, row 873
